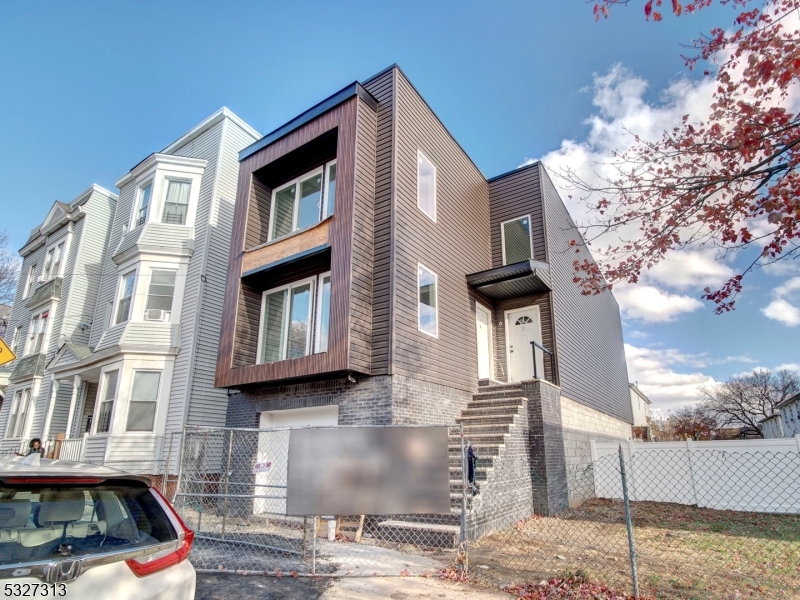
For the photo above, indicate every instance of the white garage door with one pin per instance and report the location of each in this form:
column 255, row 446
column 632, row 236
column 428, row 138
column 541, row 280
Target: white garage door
column 273, row 452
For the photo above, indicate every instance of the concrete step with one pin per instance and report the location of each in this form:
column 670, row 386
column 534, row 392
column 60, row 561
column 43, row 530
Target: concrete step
column 487, row 437
column 499, row 388
column 480, row 420
column 483, row 450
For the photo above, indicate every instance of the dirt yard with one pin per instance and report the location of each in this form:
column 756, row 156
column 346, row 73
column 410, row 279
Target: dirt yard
column 683, row 552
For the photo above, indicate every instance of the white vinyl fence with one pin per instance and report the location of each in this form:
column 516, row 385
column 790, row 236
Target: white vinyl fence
column 745, row 475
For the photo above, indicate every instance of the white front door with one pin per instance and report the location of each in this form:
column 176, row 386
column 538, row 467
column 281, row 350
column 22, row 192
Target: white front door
column 523, row 326
column 483, row 324
column 271, row 469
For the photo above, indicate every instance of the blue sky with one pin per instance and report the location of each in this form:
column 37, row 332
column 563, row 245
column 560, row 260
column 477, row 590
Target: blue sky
column 91, row 88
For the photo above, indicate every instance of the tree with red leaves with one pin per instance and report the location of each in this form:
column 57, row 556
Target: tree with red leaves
column 729, row 182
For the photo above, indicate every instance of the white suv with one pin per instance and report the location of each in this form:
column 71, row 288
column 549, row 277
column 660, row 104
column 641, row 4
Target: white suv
column 85, row 531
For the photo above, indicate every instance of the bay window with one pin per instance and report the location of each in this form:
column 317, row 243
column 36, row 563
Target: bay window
column 36, row 333
column 517, row 242
column 295, row 319
column 52, row 262
column 303, row 202
column 107, row 404
column 144, row 399
column 143, row 204
column 18, row 416
column 176, row 202
column 427, row 306
column 125, row 298
column 159, row 295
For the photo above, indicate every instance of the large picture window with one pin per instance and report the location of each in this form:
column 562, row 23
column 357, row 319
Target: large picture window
column 517, row 243
column 107, row 404
column 303, row 202
column 426, row 186
column 291, row 316
column 428, row 312
column 144, row 399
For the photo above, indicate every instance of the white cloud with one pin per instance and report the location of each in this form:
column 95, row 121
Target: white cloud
column 655, row 372
column 691, row 269
column 639, row 334
column 780, row 309
column 788, row 367
column 651, row 304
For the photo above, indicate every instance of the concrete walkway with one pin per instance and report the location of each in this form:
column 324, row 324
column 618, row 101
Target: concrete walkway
column 405, row 588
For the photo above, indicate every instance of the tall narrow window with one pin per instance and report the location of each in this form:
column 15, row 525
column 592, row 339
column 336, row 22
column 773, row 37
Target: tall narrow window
column 330, row 190
column 517, row 245
column 48, row 261
column 272, row 318
column 34, row 327
column 428, row 318
column 29, row 281
column 59, row 256
column 125, row 298
column 18, row 417
column 144, row 204
column 426, row 186
column 299, row 321
column 159, row 295
column 52, row 262
column 107, row 404
column 323, row 313
column 144, row 399
column 41, row 330
column 16, row 340
column 176, row 204
column 301, row 203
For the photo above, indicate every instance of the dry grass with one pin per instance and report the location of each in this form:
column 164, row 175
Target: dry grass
column 683, row 552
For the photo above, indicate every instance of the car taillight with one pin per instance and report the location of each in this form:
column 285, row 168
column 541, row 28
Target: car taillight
column 152, row 563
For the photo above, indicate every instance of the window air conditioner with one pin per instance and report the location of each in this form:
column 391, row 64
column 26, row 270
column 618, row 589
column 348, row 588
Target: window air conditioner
column 156, row 314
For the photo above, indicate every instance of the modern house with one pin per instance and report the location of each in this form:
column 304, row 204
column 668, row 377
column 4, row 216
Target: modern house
column 143, row 364
column 54, row 303
column 785, row 423
column 376, row 276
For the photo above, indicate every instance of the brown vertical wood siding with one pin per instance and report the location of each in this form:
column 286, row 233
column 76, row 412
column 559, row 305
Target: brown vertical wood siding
column 456, row 244
column 362, row 260
column 258, row 214
column 245, row 343
column 499, row 326
column 382, row 88
column 344, row 117
column 588, row 330
column 513, row 196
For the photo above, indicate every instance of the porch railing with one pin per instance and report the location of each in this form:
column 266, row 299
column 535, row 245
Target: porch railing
column 534, row 346
column 71, row 449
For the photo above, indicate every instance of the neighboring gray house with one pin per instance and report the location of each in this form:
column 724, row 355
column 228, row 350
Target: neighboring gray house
column 55, row 298
column 146, row 365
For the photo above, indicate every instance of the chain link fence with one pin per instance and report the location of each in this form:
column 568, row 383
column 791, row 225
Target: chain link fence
column 233, row 493
column 666, row 524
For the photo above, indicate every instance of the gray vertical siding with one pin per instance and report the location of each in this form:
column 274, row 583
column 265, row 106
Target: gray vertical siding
column 460, row 231
column 512, row 196
column 382, row 88
column 207, row 404
column 588, row 329
column 362, row 257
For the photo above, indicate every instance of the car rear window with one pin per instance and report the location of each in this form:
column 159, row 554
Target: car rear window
column 41, row 522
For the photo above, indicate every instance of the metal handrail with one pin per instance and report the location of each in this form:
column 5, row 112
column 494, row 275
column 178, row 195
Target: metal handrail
column 534, row 346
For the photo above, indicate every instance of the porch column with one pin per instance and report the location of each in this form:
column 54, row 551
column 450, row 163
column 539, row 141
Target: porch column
column 73, row 401
column 50, row 407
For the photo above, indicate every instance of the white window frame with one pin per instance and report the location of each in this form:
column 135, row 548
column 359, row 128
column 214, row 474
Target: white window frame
column 20, row 427
column 100, row 400
column 503, row 234
column 157, row 401
column 47, row 270
column 30, row 280
column 325, row 181
column 322, row 170
column 137, row 204
column 16, row 338
column 34, row 330
column 419, row 314
column 318, row 312
column 312, row 340
column 120, row 291
column 163, row 204
column 421, row 154
column 147, row 293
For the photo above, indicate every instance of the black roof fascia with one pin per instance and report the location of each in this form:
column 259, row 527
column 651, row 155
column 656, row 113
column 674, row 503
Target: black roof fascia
column 354, row 89
column 506, row 272
column 515, row 171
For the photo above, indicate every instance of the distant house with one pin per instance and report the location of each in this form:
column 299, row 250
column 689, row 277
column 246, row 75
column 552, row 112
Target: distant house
column 640, row 405
column 786, row 420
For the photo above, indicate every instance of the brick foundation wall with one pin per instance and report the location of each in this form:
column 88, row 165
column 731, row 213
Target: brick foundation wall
column 416, row 402
column 582, row 424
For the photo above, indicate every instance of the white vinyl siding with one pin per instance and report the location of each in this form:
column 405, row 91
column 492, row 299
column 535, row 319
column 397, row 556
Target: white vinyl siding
column 428, row 301
column 517, row 240
column 426, row 186
column 144, row 400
